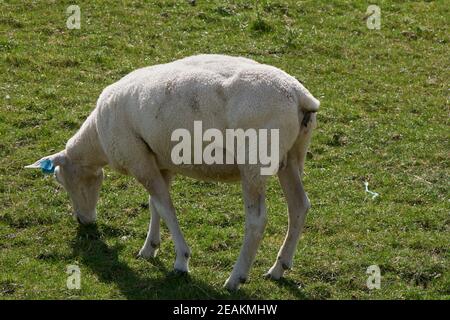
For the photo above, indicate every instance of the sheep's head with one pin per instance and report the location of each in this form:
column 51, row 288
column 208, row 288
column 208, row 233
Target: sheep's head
column 82, row 182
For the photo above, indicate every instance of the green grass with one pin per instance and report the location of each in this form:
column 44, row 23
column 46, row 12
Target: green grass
column 383, row 119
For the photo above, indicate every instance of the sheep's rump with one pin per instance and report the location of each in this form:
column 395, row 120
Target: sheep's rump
column 221, row 91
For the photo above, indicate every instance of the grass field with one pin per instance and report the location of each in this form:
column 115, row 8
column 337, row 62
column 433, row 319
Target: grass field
column 384, row 119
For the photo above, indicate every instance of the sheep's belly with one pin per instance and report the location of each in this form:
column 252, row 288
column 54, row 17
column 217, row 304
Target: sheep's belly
column 213, row 172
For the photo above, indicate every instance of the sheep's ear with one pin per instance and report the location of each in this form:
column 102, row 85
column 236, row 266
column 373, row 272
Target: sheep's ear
column 49, row 163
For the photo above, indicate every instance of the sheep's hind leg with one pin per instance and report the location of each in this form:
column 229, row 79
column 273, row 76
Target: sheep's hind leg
column 298, row 205
column 153, row 240
column 255, row 222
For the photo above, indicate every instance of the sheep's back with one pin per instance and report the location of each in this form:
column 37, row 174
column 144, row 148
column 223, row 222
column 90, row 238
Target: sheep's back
column 222, row 92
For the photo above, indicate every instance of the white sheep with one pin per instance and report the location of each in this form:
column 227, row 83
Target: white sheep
column 130, row 130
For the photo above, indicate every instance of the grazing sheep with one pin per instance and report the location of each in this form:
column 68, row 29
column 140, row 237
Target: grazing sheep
column 130, row 130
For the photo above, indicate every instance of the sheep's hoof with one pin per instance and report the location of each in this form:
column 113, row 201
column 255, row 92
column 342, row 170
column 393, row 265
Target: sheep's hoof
column 270, row 276
column 274, row 274
column 147, row 254
column 181, row 266
column 233, row 285
column 180, row 273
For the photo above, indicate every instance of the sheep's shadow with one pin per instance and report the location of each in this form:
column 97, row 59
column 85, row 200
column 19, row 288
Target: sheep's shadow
column 104, row 261
column 292, row 286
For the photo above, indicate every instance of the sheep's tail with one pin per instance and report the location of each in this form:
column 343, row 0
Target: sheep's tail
column 307, row 102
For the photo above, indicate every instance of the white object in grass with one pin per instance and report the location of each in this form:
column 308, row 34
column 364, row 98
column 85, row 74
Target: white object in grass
column 374, row 194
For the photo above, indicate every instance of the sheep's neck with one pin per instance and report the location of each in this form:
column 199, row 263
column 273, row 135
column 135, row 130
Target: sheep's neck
column 84, row 147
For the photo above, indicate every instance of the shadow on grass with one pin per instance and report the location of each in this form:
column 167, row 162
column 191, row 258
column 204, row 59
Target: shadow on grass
column 104, row 261
column 292, row 286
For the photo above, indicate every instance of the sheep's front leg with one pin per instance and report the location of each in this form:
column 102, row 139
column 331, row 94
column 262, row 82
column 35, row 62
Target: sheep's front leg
column 164, row 207
column 150, row 176
column 298, row 205
column 255, row 222
column 153, row 240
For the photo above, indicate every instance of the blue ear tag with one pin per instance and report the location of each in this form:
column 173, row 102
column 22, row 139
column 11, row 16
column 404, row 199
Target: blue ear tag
column 47, row 166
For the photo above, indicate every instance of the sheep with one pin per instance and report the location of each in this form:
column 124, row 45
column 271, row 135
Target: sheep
column 130, row 130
